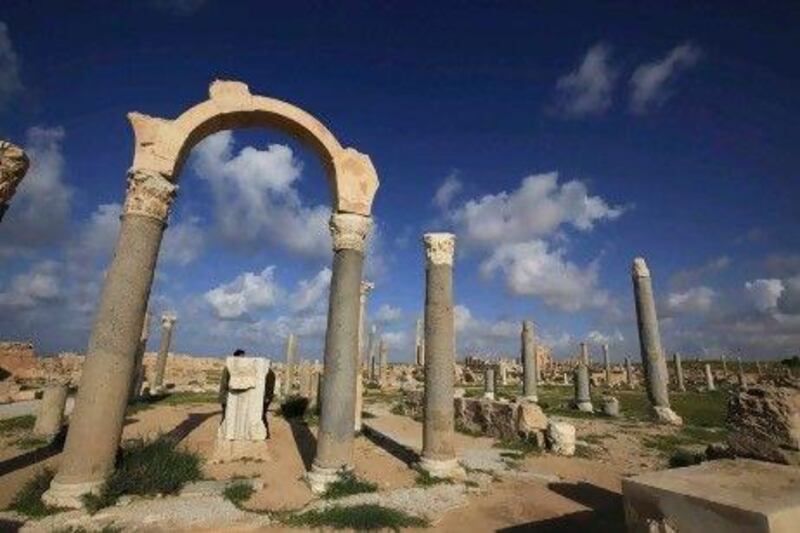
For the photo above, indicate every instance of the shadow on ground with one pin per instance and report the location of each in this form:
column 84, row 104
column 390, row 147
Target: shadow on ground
column 304, row 440
column 34, row 456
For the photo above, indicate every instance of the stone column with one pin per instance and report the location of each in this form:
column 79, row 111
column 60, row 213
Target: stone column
column 366, row 288
column 419, row 345
column 724, row 364
column 628, row 373
column 96, row 423
column 313, row 397
column 372, row 349
column 740, row 372
column 583, row 398
column 529, row 364
column 13, row 167
column 607, row 365
column 50, row 417
column 383, row 350
column 710, row 378
column 167, row 324
column 335, row 439
column 584, row 354
column 503, row 371
column 138, row 365
column 291, row 357
column 655, row 367
column 305, row 380
column 438, row 427
column 488, row 382
column 679, row 372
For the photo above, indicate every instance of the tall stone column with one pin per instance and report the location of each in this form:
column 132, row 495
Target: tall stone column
column 50, row 417
column 488, row 382
column 584, row 354
column 372, row 353
column 167, row 325
column 291, row 358
column 628, row 373
column 710, row 378
column 419, row 345
column 366, row 288
column 383, row 350
column 724, row 364
column 679, row 372
column 337, row 417
column 13, row 167
column 653, row 362
column 438, row 427
column 583, row 397
column 138, row 365
column 740, row 372
column 96, row 423
column 607, row 365
column 529, row 364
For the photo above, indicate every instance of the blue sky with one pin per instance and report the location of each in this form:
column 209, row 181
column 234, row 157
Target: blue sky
column 557, row 141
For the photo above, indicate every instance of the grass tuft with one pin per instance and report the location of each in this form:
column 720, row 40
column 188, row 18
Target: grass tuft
column 17, row 423
column 520, row 447
column 238, row 492
column 424, row 479
column 347, row 485
column 685, row 458
column 28, row 501
column 366, row 517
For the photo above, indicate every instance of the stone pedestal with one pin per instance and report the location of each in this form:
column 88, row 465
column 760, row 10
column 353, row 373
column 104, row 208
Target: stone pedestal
column 167, row 324
column 655, row 366
column 530, row 370
column 611, row 406
column 242, row 432
column 50, row 418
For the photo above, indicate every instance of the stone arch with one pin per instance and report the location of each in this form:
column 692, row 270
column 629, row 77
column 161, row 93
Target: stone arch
column 163, row 145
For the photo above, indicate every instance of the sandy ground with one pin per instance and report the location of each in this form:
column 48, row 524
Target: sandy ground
column 587, row 497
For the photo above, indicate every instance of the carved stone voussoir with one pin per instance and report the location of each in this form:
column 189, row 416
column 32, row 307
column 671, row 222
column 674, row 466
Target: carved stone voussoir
column 149, row 194
column 349, row 231
column 13, row 166
column 439, row 248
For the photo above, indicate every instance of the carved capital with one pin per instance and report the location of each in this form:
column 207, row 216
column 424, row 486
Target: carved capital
column 13, row 166
column 167, row 321
column 439, row 248
column 366, row 288
column 149, row 194
column 349, row 231
column 640, row 269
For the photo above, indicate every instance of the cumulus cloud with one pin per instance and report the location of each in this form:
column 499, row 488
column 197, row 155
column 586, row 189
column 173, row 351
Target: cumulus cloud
column 247, row 293
column 599, row 337
column 255, row 199
column 764, row 293
column 448, row 190
column 533, row 269
column 40, row 285
column 686, row 278
column 537, row 208
column 10, row 82
column 650, row 82
column 312, row 293
column 587, row 89
column 693, row 300
column 386, row 314
column 41, row 209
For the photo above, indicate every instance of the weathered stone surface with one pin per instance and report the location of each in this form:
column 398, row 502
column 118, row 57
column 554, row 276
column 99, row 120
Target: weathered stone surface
column 13, row 166
column 530, row 419
column 610, row 406
column 766, row 422
column 561, row 438
column 714, row 497
column 493, row 418
column 17, row 360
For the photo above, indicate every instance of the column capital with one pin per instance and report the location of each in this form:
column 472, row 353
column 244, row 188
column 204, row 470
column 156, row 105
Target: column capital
column 439, row 248
column 349, row 231
column 13, row 166
column 527, row 325
column 366, row 288
column 168, row 321
column 640, row 269
column 149, row 194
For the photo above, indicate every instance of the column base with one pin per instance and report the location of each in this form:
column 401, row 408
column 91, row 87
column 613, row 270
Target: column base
column 488, row 395
column 532, row 398
column 442, row 469
column 319, row 478
column 665, row 415
column 585, row 407
column 69, row 495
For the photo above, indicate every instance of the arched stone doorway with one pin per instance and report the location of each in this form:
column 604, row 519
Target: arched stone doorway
column 162, row 147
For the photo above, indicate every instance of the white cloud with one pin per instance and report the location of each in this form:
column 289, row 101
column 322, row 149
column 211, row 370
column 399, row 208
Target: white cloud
column 183, row 242
column 255, row 197
column 448, row 190
column 386, row 314
column 395, row 339
column 650, row 81
column 694, row 300
column 247, row 293
column 598, row 337
column 10, row 82
column 312, row 293
column 533, row 269
column 538, row 208
column 764, row 293
column 41, row 209
column 789, row 302
column 40, row 285
column 587, row 90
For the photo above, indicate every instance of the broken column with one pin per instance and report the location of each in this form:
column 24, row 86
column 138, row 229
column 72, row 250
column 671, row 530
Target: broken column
column 337, row 417
column 242, row 432
column 740, row 372
column 709, row 378
column 383, row 373
column 13, row 167
column 372, row 354
column 653, row 362
column 488, row 382
column 583, row 398
column 291, row 359
column 529, row 364
column 50, row 417
column 438, row 431
column 679, row 372
column 167, row 324
column 366, row 288
column 628, row 373
column 96, row 423
column 607, row 365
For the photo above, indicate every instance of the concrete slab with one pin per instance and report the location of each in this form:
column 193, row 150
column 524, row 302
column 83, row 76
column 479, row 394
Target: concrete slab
column 718, row 496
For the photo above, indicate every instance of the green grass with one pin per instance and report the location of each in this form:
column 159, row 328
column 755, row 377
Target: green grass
column 147, row 469
column 238, row 492
column 685, row 458
column 424, row 479
column 461, row 428
column 359, row 518
column 183, row 398
column 520, row 447
column 28, row 501
column 28, row 442
column 18, row 423
column 347, row 485
column 586, row 452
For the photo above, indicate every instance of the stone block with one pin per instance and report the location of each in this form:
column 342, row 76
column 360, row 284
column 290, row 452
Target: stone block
column 530, row 418
column 715, row 497
column 561, row 438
